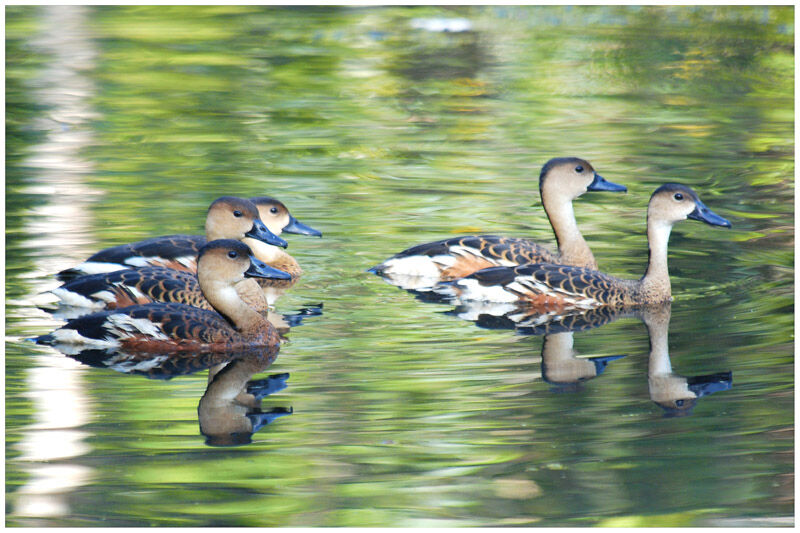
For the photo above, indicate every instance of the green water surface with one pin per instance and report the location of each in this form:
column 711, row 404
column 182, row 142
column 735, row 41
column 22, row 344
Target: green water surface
column 382, row 131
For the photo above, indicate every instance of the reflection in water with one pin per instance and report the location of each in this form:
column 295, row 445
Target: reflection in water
column 677, row 395
column 60, row 225
column 230, row 409
column 561, row 367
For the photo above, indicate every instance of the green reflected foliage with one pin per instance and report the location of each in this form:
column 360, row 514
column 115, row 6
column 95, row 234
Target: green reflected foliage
column 382, row 135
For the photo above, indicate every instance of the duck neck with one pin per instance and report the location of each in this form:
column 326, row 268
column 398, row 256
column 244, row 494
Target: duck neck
column 655, row 284
column 656, row 320
column 572, row 248
column 227, row 302
column 557, row 347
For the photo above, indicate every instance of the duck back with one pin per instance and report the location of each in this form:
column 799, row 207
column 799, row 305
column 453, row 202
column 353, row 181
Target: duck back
column 160, row 327
column 178, row 252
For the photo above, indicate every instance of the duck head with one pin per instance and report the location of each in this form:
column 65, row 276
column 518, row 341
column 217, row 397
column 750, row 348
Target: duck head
column 278, row 218
column 236, row 218
column 673, row 202
column 570, row 177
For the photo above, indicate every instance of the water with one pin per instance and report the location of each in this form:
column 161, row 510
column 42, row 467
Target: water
column 126, row 122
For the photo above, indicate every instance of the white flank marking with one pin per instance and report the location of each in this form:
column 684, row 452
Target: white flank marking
column 73, row 299
column 471, row 289
column 105, row 296
column 71, row 336
column 142, row 261
column 415, row 265
column 127, row 326
column 90, row 267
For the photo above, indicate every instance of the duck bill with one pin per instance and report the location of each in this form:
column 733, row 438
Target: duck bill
column 600, row 363
column 259, row 269
column 602, row 184
column 704, row 214
column 297, row 227
column 260, row 232
column 705, row 385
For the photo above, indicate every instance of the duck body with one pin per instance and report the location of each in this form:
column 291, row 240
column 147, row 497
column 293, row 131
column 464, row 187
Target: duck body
column 564, row 287
column 177, row 252
column 160, row 328
column 228, row 217
column 457, row 257
column 561, row 181
column 136, row 286
column 175, row 327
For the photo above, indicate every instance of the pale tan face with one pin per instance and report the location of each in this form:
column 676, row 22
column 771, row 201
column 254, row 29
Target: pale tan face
column 569, row 179
column 671, row 206
column 230, row 218
column 224, row 264
column 274, row 214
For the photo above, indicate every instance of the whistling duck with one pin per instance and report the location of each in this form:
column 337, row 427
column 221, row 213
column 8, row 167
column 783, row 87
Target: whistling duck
column 170, row 327
column 565, row 287
column 561, row 181
column 228, row 218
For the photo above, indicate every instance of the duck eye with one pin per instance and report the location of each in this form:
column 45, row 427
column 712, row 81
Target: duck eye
column 237, row 213
column 273, row 210
column 679, row 403
column 579, row 169
column 232, row 254
column 678, row 196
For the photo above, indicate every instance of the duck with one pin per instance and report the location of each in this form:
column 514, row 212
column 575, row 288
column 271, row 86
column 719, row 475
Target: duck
column 121, row 288
column 561, row 181
column 277, row 218
column 138, row 286
column 553, row 286
column 173, row 327
column 228, row 217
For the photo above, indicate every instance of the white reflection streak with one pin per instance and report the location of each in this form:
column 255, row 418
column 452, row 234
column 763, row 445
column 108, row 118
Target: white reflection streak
column 60, row 229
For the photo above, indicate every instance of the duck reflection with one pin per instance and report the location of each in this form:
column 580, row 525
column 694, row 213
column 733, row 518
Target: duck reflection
column 229, row 412
column 676, row 394
column 561, row 367
column 567, row 372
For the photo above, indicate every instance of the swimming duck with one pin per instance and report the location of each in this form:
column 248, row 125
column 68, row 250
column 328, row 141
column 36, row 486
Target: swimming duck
column 137, row 286
column 170, row 327
column 228, row 218
column 561, row 181
column 564, row 287
column 277, row 218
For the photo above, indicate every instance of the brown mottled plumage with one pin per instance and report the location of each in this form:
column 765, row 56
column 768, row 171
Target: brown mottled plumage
column 132, row 286
column 561, row 181
column 228, row 218
column 171, row 327
column 562, row 287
